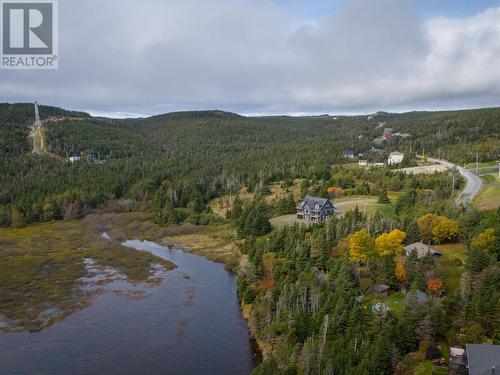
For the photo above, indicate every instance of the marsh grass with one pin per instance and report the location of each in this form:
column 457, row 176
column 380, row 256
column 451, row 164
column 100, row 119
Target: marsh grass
column 41, row 267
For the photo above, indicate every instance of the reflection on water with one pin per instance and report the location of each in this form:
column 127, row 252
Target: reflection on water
column 189, row 324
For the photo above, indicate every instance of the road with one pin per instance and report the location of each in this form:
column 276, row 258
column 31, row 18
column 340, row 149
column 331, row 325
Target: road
column 472, row 186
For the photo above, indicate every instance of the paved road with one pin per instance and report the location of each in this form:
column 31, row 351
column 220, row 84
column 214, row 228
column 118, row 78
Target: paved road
column 472, row 186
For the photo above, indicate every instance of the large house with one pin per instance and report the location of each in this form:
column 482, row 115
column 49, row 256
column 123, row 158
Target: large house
column 395, row 157
column 476, row 359
column 315, row 209
column 348, row 154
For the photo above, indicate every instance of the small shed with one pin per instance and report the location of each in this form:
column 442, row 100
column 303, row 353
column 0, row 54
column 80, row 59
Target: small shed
column 380, row 289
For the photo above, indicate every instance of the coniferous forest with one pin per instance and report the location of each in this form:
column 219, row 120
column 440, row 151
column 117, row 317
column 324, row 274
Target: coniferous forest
column 307, row 290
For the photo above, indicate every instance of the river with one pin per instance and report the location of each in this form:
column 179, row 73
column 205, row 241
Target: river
column 189, row 324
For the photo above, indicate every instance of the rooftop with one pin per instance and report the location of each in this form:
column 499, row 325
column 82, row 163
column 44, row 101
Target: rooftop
column 483, row 359
column 311, row 202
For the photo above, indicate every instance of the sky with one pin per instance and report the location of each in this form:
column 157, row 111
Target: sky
column 124, row 58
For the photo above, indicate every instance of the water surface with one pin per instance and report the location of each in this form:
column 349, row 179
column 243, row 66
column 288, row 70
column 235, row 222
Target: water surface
column 189, row 324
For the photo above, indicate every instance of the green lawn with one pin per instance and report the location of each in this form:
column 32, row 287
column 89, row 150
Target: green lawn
column 368, row 203
column 423, row 368
column 427, row 368
column 395, row 302
column 452, row 273
column 491, row 178
column 453, row 250
column 485, row 164
column 488, row 198
column 284, row 220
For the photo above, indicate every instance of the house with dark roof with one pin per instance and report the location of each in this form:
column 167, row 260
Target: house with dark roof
column 348, row 154
column 421, row 249
column 380, row 289
column 315, row 209
column 418, row 296
column 483, row 359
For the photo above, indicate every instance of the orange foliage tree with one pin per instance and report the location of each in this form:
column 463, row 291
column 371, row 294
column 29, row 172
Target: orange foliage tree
column 435, row 285
column 400, row 273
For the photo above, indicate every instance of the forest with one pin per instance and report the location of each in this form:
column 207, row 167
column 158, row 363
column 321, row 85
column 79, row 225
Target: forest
column 196, row 156
column 309, row 290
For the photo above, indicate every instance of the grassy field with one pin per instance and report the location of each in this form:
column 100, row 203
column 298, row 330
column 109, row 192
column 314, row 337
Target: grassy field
column 427, row 368
column 488, row 198
column 41, row 267
column 367, row 203
column 452, row 270
column 485, row 164
column 284, row 220
column 220, row 205
column 216, row 242
column 491, row 178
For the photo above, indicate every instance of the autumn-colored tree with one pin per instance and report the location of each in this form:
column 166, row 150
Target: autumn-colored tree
column 361, row 246
column 484, row 241
column 426, row 224
column 437, row 228
column 445, row 230
column 400, row 272
column 389, row 244
column 435, row 284
column 334, row 191
column 480, row 251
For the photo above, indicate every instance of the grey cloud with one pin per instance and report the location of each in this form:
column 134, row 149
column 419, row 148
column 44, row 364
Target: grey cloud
column 153, row 56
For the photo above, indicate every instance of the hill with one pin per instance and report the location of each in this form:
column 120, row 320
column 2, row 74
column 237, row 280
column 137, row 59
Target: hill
column 202, row 154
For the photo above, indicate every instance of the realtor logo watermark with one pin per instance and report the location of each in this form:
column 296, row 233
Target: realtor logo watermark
column 29, row 37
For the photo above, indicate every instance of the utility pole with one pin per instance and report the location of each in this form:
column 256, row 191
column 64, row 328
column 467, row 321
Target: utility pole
column 452, row 183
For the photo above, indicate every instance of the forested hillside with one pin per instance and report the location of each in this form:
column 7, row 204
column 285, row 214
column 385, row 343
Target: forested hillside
column 309, row 291
column 191, row 156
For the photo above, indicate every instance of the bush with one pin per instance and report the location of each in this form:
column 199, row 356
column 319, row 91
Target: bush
column 433, row 352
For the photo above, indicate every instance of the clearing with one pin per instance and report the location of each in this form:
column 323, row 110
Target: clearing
column 488, row 198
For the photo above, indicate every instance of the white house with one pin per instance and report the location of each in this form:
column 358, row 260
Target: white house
column 363, row 162
column 74, row 159
column 395, row 157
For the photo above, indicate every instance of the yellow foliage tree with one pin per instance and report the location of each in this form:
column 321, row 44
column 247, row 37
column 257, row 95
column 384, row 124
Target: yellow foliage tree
column 437, row 228
column 361, row 246
column 425, row 225
column 484, row 240
column 390, row 243
column 445, row 230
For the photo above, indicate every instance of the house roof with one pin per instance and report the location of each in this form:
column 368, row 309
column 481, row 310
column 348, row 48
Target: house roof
column 380, row 288
column 454, row 351
column 311, row 202
column 418, row 295
column 422, row 249
column 348, row 152
column 482, row 358
column 396, row 153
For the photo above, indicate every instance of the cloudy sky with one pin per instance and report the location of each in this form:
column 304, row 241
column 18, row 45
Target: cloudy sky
column 141, row 57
